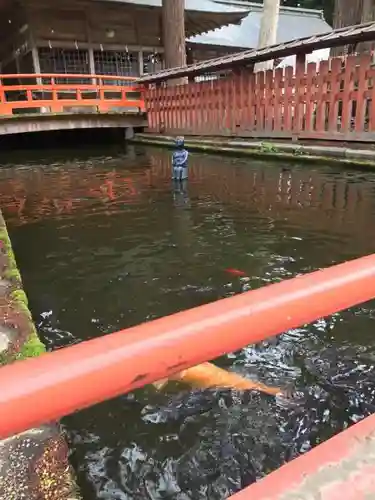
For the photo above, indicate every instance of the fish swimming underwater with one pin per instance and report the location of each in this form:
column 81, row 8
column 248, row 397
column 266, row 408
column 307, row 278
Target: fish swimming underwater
column 236, row 272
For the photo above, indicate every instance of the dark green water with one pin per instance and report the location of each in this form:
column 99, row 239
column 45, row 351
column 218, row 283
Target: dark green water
column 105, row 242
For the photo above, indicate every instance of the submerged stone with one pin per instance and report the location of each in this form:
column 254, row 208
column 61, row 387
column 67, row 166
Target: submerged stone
column 5, row 286
column 7, row 336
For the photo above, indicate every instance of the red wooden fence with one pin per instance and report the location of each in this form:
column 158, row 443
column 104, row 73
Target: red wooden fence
column 331, row 100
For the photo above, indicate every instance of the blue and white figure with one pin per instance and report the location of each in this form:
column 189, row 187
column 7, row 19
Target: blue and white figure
column 180, row 161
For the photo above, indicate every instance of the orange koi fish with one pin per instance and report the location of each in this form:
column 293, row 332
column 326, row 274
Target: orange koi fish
column 235, row 272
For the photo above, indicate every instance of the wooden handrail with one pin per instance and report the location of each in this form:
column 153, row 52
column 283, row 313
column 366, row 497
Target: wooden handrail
column 51, row 386
column 66, row 86
column 97, row 95
column 67, row 75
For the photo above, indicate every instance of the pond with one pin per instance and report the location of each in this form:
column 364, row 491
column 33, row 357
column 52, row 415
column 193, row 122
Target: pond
column 105, row 241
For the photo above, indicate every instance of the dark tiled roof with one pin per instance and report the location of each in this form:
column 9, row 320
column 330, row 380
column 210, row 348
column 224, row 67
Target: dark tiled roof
column 201, row 15
column 192, row 5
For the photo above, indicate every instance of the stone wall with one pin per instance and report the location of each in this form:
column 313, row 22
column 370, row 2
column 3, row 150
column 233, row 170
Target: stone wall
column 33, row 465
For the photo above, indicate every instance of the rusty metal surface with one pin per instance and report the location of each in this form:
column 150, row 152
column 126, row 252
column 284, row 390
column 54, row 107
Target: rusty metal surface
column 342, row 468
column 336, row 38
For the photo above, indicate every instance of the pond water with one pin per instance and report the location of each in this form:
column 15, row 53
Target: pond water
column 105, row 241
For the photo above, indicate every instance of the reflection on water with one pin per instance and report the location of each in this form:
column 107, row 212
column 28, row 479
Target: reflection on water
column 108, row 242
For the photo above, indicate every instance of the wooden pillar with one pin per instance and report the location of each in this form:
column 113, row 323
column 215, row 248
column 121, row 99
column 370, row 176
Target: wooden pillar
column 190, row 60
column 37, row 70
column 173, row 23
column 36, row 62
column 346, row 13
column 268, row 29
column 368, row 15
column 140, row 62
column 92, row 68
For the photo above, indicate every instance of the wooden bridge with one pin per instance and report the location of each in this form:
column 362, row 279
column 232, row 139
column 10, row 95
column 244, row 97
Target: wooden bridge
column 43, row 102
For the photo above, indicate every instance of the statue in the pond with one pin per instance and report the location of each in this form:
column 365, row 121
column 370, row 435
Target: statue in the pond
column 180, row 160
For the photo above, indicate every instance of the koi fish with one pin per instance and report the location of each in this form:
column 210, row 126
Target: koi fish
column 235, row 272
column 207, row 375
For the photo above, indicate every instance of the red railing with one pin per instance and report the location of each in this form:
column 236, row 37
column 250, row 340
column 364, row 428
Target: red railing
column 58, row 93
column 56, row 384
column 43, row 389
column 331, row 100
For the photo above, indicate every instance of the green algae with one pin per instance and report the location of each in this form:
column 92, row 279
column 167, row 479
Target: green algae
column 268, row 147
column 19, row 297
column 32, row 348
column 56, row 479
column 264, row 151
column 12, row 275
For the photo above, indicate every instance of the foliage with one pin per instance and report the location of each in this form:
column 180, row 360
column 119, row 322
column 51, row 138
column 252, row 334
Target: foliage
column 326, row 5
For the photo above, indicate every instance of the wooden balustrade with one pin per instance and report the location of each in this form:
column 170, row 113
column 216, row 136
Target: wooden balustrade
column 59, row 93
column 333, row 100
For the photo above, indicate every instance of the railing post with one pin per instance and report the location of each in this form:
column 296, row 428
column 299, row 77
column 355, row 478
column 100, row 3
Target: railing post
column 299, row 93
column 55, row 107
column 2, row 99
column 101, row 95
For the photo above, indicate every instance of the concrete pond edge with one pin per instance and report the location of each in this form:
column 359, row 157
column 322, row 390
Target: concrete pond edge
column 34, row 465
column 359, row 158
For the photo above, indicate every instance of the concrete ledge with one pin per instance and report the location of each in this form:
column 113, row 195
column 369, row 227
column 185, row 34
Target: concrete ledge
column 33, row 465
column 44, row 122
column 364, row 158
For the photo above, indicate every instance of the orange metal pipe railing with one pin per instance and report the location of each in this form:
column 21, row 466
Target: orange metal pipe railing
column 99, row 93
column 39, row 390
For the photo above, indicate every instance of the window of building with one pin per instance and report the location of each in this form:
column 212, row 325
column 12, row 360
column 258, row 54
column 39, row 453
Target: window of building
column 152, row 62
column 73, row 61
column 116, row 63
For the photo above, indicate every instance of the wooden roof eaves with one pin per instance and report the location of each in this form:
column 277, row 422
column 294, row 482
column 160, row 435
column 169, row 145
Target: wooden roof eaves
column 335, row 38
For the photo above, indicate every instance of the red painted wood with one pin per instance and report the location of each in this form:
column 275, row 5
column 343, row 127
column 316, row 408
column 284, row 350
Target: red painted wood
column 333, row 95
column 288, row 96
column 75, row 93
column 364, row 63
column 259, row 95
column 268, row 100
column 312, row 103
column 252, row 98
column 299, row 93
column 320, row 123
column 310, row 97
column 278, row 100
column 342, row 468
column 184, row 116
column 348, row 84
column 211, row 108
